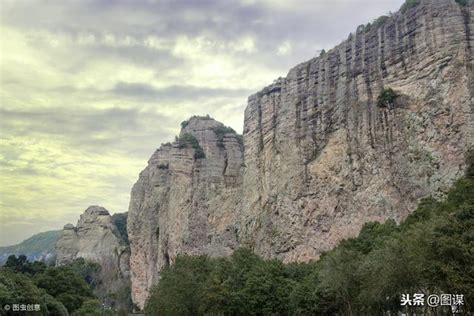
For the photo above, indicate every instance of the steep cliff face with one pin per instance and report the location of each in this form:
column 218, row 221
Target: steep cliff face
column 182, row 200
column 321, row 156
column 96, row 238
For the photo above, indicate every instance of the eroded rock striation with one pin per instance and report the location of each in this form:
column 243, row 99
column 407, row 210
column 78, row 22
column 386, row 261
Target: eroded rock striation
column 322, row 154
column 323, row 157
column 96, row 238
column 183, row 199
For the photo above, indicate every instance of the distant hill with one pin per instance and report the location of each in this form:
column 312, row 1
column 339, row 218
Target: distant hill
column 39, row 247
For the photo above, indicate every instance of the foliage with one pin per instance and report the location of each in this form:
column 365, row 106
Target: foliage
column 463, row 2
column 18, row 288
column 120, row 221
column 189, row 139
column 22, row 265
column 220, row 132
column 59, row 290
column 65, row 285
column 51, row 306
column 431, row 251
column 181, row 288
column 93, row 308
column 381, row 20
column 408, row 5
column 184, row 124
column 387, row 98
column 88, row 271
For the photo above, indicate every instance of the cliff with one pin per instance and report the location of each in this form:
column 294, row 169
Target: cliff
column 96, row 238
column 323, row 158
column 323, row 154
column 183, row 199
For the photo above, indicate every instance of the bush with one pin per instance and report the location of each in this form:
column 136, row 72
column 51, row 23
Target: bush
column 94, row 308
column 65, row 285
column 387, row 98
column 16, row 287
column 184, row 123
column 89, row 271
column 463, row 2
column 186, row 139
column 220, row 132
column 408, row 5
column 381, row 20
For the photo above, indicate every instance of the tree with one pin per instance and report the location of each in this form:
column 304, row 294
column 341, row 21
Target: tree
column 66, row 286
column 181, row 287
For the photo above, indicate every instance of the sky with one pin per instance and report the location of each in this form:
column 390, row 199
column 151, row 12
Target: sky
column 89, row 89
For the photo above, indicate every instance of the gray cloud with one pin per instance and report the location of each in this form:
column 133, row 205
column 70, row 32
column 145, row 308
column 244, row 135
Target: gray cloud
column 306, row 24
column 174, row 92
column 81, row 108
column 131, row 131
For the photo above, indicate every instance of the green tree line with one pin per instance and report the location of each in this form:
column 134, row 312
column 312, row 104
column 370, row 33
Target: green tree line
column 64, row 290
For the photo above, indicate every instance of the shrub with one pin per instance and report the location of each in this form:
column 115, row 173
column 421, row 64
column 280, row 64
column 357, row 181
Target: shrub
column 381, row 20
column 220, row 132
column 184, row 123
column 409, row 4
column 462, row 2
column 386, row 98
column 65, row 285
column 186, row 139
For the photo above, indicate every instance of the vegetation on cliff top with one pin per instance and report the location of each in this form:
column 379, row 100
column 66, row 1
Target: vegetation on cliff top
column 221, row 131
column 189, row 139
column 430, row 252
column 408, row 4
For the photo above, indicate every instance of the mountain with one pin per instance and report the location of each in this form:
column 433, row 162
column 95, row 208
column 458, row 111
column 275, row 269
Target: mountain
column 358, row 134
column 39, row 247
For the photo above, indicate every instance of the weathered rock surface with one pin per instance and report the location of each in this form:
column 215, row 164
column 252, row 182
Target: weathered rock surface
column 182, row 204
column 96, row 238
column 321, row 158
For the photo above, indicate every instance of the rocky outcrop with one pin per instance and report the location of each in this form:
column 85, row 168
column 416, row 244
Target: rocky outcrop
column 322, row 155
column 323, row 158
column 182, row 200
column 96, row 238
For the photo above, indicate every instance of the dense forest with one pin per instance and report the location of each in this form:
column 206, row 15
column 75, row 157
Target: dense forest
column 37, row 288
column 387, row 269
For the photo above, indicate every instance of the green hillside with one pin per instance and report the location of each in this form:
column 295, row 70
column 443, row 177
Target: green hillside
column 38, row 247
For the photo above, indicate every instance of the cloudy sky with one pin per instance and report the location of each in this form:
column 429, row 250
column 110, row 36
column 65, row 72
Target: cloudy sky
column 90, row 88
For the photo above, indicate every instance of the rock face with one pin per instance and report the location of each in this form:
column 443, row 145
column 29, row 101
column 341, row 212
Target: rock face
column 96, row 238
column 321, row 156
column 181, row 202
